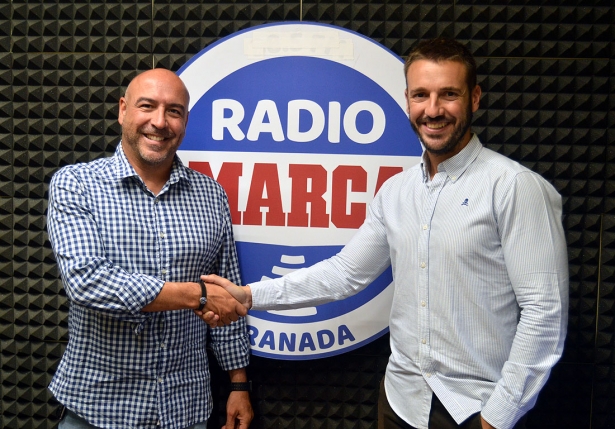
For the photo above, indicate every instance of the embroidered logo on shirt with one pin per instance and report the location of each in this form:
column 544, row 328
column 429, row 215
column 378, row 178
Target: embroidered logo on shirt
column 465, row 202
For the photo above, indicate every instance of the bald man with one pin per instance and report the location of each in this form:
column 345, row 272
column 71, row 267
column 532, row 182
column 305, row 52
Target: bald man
column 132, row 234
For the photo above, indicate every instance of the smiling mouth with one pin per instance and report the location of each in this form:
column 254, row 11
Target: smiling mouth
column 435, row 125
column 154, row 137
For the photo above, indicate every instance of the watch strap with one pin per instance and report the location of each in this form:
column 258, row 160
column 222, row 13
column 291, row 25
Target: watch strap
column 203, row 299
column 244, row 386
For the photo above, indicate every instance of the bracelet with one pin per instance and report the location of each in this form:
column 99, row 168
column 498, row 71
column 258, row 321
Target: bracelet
column 203, row 299
column 244, row 387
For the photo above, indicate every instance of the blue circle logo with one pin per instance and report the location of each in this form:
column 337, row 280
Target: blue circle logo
column 301, row 124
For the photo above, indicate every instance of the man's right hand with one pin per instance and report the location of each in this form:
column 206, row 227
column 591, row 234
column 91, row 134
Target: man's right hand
column 225, row 301
column 243, row 294
column 222, row 308
column 221, row 286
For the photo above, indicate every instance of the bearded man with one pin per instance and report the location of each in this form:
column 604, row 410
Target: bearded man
column 479, row 262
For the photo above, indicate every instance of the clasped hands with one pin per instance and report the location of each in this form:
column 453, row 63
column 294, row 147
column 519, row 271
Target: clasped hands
column 225, row 301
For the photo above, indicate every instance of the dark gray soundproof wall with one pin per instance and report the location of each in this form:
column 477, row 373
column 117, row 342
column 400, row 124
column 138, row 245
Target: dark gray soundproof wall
column 547, row 72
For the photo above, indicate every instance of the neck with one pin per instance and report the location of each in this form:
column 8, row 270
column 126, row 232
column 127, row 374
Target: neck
column 154, row 179
column 436, row 158
column 154, row 176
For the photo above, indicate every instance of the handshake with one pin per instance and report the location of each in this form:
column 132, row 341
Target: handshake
column 226, row 301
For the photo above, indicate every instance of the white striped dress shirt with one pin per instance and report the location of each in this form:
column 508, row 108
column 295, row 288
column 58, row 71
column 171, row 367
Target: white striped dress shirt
column 480, row 268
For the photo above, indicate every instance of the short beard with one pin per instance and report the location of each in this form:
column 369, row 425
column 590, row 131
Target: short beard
column 455, row 138
column 133, row 141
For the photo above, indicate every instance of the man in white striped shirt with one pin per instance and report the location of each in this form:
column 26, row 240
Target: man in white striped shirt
column 479, row 260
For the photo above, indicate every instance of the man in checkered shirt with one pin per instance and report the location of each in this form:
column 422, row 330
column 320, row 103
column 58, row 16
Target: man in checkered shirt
column 132, row 234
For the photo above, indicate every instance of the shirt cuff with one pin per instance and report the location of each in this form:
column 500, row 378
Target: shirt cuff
column 499, row 412
column 263, row 295
column 137, row 293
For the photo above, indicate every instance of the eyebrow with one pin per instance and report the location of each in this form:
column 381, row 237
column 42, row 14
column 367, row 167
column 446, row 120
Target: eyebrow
column 446, row 88
column 152, row 101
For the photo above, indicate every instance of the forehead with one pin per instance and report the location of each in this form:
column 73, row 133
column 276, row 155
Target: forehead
column 164, row 89
column 432, row 74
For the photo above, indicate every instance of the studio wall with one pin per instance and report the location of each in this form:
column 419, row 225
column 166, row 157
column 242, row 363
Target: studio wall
column 547, row 72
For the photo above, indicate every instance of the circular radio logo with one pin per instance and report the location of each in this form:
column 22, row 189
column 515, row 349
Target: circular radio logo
column 301, row 124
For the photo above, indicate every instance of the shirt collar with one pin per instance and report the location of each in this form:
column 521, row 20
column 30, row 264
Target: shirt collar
column 124, row 169
column 456, row 165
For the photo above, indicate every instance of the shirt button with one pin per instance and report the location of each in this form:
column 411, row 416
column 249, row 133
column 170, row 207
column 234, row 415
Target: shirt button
column 424, row 341
column 164, row 271
column 423, row 303
column 163, row 235
column 423, row 264
column 425, row 226
column 428, row 374
column 454, row 178
column 156, row 201
column 162, row 345
column 159, row 379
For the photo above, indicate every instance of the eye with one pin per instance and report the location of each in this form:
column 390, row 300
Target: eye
column 450, row 95
column 176, row 112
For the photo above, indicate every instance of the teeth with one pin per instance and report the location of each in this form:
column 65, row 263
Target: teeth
column 155, row 138
column 435, row 126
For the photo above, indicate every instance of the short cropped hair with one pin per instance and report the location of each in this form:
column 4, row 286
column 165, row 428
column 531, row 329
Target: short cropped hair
column 444, row 49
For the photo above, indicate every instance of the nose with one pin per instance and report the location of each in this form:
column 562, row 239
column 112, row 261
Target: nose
column 158, row 118
column 433, row 108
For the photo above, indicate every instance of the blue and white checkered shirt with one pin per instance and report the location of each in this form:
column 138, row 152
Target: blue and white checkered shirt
column 116, row 244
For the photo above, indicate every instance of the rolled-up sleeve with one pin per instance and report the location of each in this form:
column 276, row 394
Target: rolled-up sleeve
column 90, row 279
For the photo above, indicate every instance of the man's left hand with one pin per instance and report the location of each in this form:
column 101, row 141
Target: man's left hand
column 484, row 424
column 239, row 411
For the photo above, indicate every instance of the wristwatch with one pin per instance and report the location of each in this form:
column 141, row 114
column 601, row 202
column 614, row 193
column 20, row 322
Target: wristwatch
column 245, row 386
column 203, row 299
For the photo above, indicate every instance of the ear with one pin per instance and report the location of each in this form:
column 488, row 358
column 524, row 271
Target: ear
column 407, row 101
column 122, row 110
column 476, row 93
